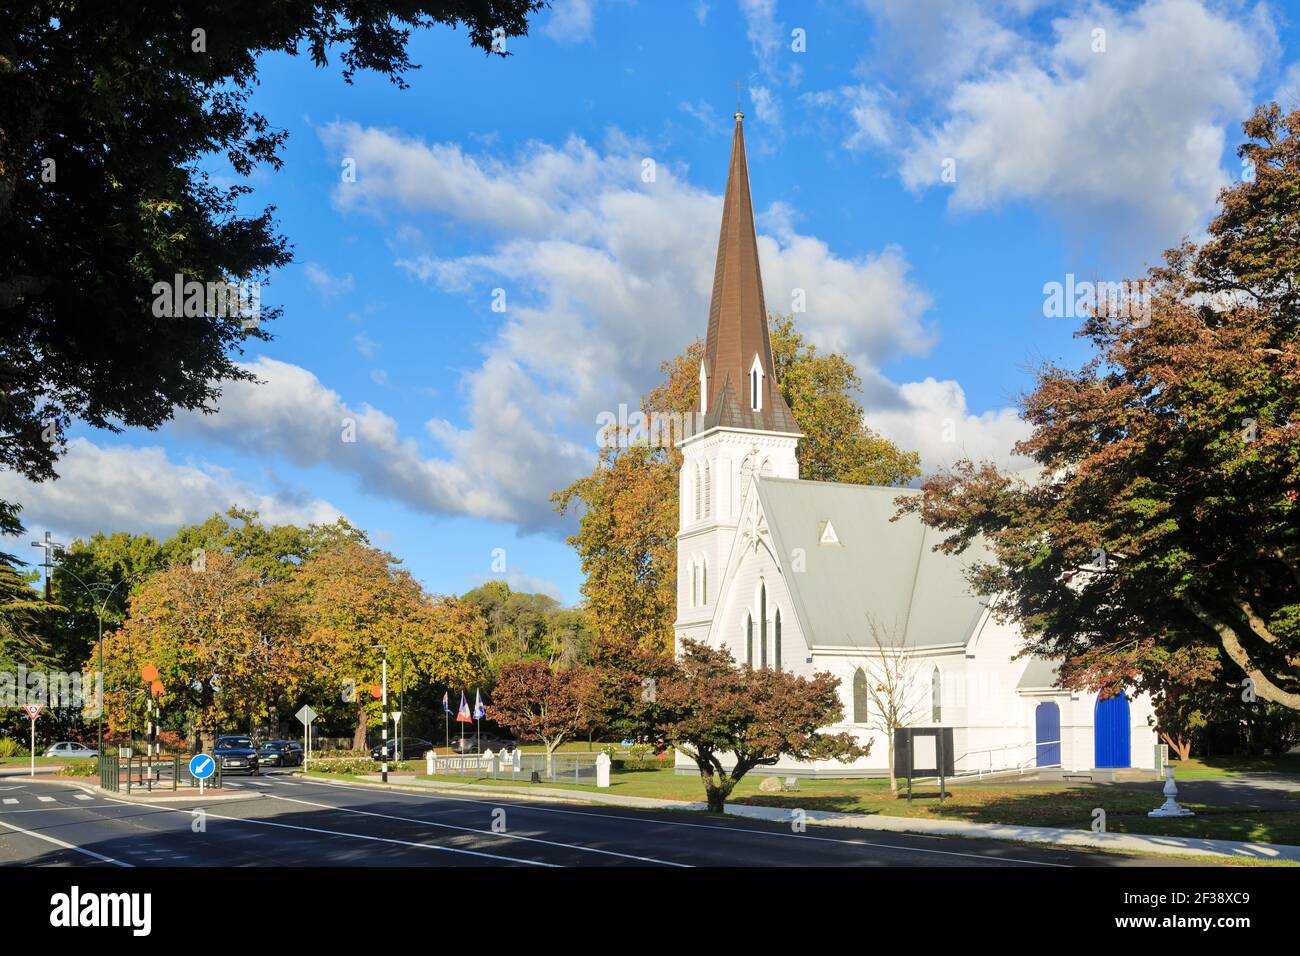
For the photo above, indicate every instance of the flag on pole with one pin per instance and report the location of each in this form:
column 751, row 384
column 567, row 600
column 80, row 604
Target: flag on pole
column 479, row 710
column 462, row 715
column 446, row 704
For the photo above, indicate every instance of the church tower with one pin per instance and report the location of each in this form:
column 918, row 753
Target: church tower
column 745, row 427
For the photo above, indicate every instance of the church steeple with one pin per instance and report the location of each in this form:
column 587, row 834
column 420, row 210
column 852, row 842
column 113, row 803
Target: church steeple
column 739, row 380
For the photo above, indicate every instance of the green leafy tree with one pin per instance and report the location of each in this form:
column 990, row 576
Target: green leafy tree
column 109, row 118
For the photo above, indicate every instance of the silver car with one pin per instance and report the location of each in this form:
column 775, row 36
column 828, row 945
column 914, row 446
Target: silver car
column 68, row 748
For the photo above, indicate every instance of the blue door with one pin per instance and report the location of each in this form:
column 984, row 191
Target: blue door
column 1111, row 732
column 1047, row 734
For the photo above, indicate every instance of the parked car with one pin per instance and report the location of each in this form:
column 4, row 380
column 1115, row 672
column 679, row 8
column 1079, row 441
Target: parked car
column 68, row 748
column 280, row 753
column 410, row 748
column 473, row 744
column 238, row 755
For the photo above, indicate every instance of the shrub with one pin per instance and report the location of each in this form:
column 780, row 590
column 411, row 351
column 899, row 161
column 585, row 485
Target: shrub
column 11, row 748
column 351, row 765
column 80, row 768
column 640, row 752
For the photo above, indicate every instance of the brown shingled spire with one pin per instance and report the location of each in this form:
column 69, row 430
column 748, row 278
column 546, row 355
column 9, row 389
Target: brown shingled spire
column 738, row 317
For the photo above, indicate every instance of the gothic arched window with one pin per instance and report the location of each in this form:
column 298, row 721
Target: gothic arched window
column 776, row 639
column 762, row 625
column 704, row 581
column 861, row 698
column 695, row 584
column 749, row 640
column 936, row 695
column 708, row 490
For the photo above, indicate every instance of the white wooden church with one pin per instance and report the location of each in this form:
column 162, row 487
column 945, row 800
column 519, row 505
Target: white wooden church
column 814, row 576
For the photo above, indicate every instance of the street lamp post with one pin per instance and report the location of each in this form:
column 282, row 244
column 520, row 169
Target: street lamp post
column 95, row 591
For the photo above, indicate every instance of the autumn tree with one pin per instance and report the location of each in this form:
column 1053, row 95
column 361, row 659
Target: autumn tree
column 731, row 719
column 628, row 506
column 218, row 634
column 539, row 702
column 1166, row 509
column 350, row 599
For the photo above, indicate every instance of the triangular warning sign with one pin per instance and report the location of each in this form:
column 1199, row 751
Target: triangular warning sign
column 828, row 534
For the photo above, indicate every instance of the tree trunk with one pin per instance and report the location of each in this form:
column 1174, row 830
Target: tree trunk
column 893, row 778
column 1182, row 746
column 359, row 738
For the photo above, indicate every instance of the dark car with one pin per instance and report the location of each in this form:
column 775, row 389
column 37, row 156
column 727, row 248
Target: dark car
column 474, row 744
column 280, row 753
column 238, row 755
column 410, row 748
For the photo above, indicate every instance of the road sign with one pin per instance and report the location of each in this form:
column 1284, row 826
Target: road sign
column 306, row 715
column 397, row 715
column 202, row 766
column 33, row 710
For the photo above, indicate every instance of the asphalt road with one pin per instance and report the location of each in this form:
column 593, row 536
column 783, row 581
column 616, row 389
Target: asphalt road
column 308, row 823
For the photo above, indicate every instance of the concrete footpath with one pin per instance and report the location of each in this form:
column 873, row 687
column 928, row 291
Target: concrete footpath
column 1056, row 836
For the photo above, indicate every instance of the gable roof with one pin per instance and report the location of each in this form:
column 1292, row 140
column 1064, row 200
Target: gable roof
column 1039, row 675
column 882, row 571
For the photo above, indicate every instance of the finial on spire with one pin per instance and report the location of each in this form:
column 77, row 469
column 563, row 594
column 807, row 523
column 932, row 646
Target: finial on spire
column 739, row 115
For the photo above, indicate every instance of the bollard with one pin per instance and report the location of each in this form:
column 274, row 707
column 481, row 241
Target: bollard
column 428, row 763
column 602, row 770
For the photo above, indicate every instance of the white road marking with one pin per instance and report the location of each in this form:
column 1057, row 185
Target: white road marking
column 709, row 826
column 356, row 836
column 10, row 800
column 84, row 796
column 508, row 836
column 66, row 846
column 45, row 799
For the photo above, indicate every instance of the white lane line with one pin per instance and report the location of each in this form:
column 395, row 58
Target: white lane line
column 66, row 846
column 508, row 836
column 257, row 783
column 10, row 800
column 709, row 826
column 45, row 799
column 355, row 836
column 84, row 796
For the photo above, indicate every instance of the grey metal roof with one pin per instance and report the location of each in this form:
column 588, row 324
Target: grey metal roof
column 880, row 571
column 1039, row 675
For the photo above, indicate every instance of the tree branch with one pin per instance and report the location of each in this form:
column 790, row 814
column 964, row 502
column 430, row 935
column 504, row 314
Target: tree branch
column 1264, row 687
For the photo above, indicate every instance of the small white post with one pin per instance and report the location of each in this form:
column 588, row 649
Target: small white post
column 428, row 762
column 1170, row 807
column 602, row 770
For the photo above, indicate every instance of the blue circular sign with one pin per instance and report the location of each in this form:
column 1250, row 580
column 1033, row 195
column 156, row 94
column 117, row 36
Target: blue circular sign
column 202, row 766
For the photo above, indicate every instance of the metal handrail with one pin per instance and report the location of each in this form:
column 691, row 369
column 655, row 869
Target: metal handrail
column 1019, row 767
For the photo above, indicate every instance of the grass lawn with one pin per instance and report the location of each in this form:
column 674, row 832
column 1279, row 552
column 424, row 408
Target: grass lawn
column 27, row 761
column 1211, row 768
column 1044, row 805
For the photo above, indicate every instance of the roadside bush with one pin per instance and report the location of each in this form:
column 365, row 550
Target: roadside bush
column 352, row 765
column 640, row 752
column 80, row 768
column 11, row 748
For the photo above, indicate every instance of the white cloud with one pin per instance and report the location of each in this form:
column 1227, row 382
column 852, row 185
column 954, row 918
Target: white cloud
column 141, row 490
column 605, row 276
column 290, row 414
column 328, row 285
column 1127, row 142
column 571, row 21
column 931, row 417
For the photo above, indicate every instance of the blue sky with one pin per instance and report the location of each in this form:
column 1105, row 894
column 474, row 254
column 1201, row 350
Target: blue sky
column 1074, row 151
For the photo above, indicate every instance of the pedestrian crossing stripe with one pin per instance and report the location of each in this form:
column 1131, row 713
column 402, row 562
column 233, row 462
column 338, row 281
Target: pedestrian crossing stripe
column 45, row 799
column 10, row 800
column 83, row 796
